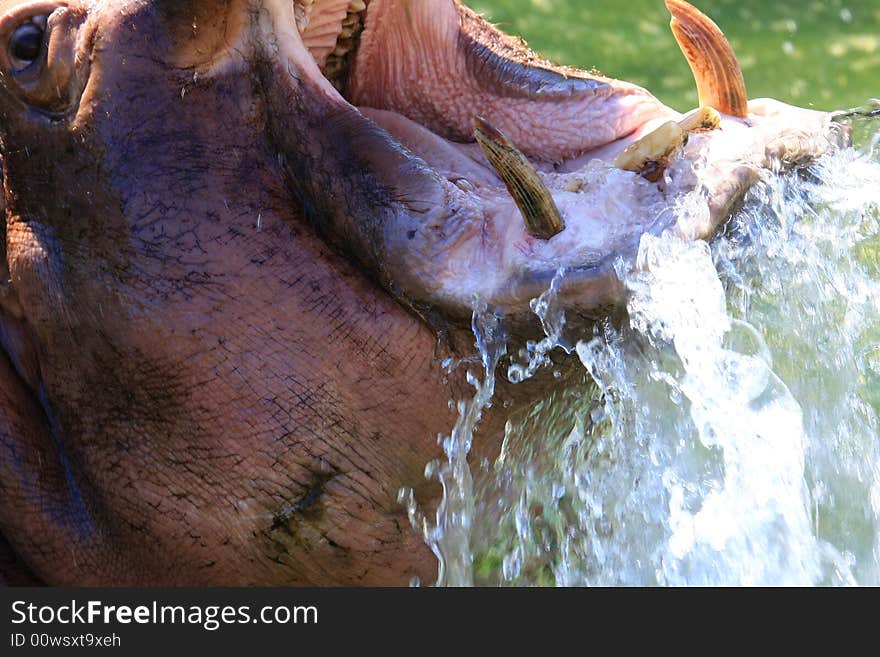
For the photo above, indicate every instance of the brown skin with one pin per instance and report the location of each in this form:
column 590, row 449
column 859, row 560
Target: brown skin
column 199, row 388
column 218, row 396
column 205, row 379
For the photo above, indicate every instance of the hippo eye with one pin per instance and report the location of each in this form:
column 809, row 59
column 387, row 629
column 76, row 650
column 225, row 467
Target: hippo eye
column 26, row 43
column 38, row 53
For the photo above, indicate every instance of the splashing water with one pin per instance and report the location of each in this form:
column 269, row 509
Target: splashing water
column 726, row 434
column 449, row 537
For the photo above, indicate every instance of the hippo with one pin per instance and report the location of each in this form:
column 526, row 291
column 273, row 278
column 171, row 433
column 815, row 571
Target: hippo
column 241, row 238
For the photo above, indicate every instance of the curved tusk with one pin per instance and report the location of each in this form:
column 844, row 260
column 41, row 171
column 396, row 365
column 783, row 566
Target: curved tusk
column 540, row 212
column 719, row 78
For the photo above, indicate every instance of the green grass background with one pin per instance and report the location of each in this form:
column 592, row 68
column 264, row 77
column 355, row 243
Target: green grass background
column 814, row 54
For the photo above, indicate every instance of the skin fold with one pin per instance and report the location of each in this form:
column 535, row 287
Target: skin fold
column 229, row 285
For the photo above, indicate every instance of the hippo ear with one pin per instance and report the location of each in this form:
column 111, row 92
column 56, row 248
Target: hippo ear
column 201, row 29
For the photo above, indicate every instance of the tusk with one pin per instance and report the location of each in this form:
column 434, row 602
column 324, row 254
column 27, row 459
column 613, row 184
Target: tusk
column 653, row 148
column 704, row 118
column 650, row 154
column 540, row 213
column 719, row 78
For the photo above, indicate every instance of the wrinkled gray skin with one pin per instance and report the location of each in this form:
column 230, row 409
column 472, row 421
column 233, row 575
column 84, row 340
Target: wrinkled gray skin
column 218, row 273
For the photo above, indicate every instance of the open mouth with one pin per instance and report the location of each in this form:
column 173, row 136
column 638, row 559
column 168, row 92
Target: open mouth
column 534, row 168
column 374, row 58
column 331, row 40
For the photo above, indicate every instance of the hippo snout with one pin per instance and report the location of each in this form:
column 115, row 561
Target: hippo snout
column 242, row 238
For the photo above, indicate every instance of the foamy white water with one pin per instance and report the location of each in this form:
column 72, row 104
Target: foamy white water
column 726, row 434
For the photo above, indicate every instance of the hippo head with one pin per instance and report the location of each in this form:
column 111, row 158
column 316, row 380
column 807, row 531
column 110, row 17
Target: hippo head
column 236, row 228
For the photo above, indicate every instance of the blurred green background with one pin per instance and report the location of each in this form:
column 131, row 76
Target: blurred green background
column 814, row 54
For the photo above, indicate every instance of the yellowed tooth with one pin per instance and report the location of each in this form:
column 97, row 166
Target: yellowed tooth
column 540, row 212
column 704, row 118
column 650, row 154
column 719, row 78
column 655, row 147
